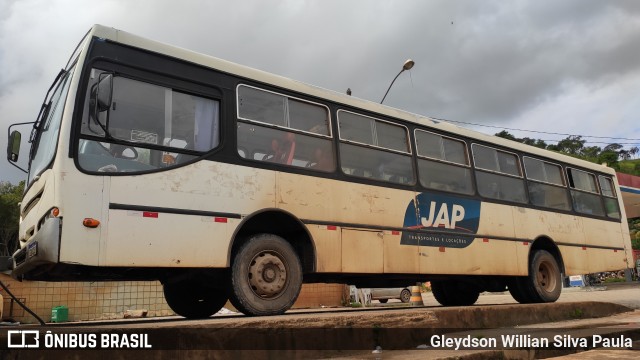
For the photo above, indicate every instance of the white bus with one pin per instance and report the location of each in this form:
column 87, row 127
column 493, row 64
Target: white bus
column 228, row 183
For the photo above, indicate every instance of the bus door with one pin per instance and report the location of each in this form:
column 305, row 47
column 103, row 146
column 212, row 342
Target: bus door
column 142, row 140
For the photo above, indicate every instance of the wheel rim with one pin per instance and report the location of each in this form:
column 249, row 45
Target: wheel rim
column 267, row 274
column 545, row 277
column 405, row 296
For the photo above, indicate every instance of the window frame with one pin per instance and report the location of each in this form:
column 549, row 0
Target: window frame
column 407, row 132
column 521, row 176
column 467, row 165
column 563, row 186
column 408, row 154
column 610, row 198
column 613, row 188
column 280, row 127
column 166, row 81
column 565, row 183
column 480, row 170
column 598, row 192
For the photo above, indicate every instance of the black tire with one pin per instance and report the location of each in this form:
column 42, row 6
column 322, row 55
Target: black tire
column 405, row 296
column 544, row 282
column 194, row 300
column 454, row 293
column 266, row 276
column 439, row 291
column 516, row 290
column 383, row 301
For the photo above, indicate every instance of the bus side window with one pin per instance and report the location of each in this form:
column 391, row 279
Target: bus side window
column 284, row 130
column 443, row 163
column 159, row 127
column 546, row 184
column 611, row 205
column 498, row 174
column 284, row 147
column 374, row 148
column 584, row 192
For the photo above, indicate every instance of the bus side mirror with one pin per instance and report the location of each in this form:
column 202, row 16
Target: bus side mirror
column 13, row 147
column 104, row 92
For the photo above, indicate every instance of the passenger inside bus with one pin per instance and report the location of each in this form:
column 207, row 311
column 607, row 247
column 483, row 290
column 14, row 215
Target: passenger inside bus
column 282, row 151
column 321, row 160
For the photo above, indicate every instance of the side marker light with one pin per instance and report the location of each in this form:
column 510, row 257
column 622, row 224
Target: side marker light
column 91, row 223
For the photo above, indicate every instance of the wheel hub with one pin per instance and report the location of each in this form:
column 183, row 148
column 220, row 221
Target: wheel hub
column 267, row 275
column 544, row 278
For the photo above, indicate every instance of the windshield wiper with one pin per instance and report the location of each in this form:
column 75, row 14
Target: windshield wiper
column 44, row 112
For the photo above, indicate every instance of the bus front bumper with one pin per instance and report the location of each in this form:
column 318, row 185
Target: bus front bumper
column 42, row 249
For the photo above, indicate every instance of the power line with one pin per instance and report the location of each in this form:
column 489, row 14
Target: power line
column 539, row 132
column 595, row 142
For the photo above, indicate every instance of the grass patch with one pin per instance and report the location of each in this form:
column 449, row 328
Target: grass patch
column 577, row 313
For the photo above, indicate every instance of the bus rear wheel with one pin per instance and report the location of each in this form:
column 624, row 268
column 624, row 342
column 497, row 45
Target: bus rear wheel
column 517, row 291
column 454, row 293
column 266, row 276
column 194, row 300
column 543, row 284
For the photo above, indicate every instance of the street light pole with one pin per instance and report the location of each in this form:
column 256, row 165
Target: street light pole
column 407, row 66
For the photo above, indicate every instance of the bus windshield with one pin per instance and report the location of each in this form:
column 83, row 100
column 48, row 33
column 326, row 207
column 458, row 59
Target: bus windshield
column 45, row 133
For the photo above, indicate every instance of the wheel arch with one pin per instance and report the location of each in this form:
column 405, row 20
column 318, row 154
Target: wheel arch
column 287, row 226
column 546, row 243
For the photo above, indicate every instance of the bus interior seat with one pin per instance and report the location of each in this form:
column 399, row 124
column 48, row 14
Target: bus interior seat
column 290, row 154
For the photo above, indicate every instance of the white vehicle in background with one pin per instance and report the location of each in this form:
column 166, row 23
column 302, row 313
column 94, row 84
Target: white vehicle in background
column 385, row 294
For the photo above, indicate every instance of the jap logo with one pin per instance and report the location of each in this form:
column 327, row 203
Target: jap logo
column 441, row 220
column 23, row 339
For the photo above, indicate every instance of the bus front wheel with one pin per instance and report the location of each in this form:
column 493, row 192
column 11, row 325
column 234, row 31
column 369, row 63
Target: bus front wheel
column 193, row 299
column 266, row 276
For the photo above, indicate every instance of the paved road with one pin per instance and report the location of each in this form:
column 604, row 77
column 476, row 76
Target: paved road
column 627, row 294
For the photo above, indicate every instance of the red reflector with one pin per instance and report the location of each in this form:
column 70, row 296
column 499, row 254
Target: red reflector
column 220, row 220
column 441, row 248
column 395, row 233
column 525, row 243
column 90, row 223
column 485, row 240
column 150, row 214
column 332, row 227
column 614, row 250
column 584, row 248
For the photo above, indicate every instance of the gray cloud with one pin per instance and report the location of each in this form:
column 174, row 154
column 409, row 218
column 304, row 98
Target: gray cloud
column 495, row 62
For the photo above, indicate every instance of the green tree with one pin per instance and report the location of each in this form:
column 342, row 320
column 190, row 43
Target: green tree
column 609, row 157
column 506, row 135
column 10, row 196
column 526, row 140
column 541, row 144
column 571, row 145
column 612, row 147
column 591, row 153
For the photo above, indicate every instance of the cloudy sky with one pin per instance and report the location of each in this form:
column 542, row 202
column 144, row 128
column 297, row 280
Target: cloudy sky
column 570, row 66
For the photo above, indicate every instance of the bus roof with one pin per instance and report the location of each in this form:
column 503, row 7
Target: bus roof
column 126, row 38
